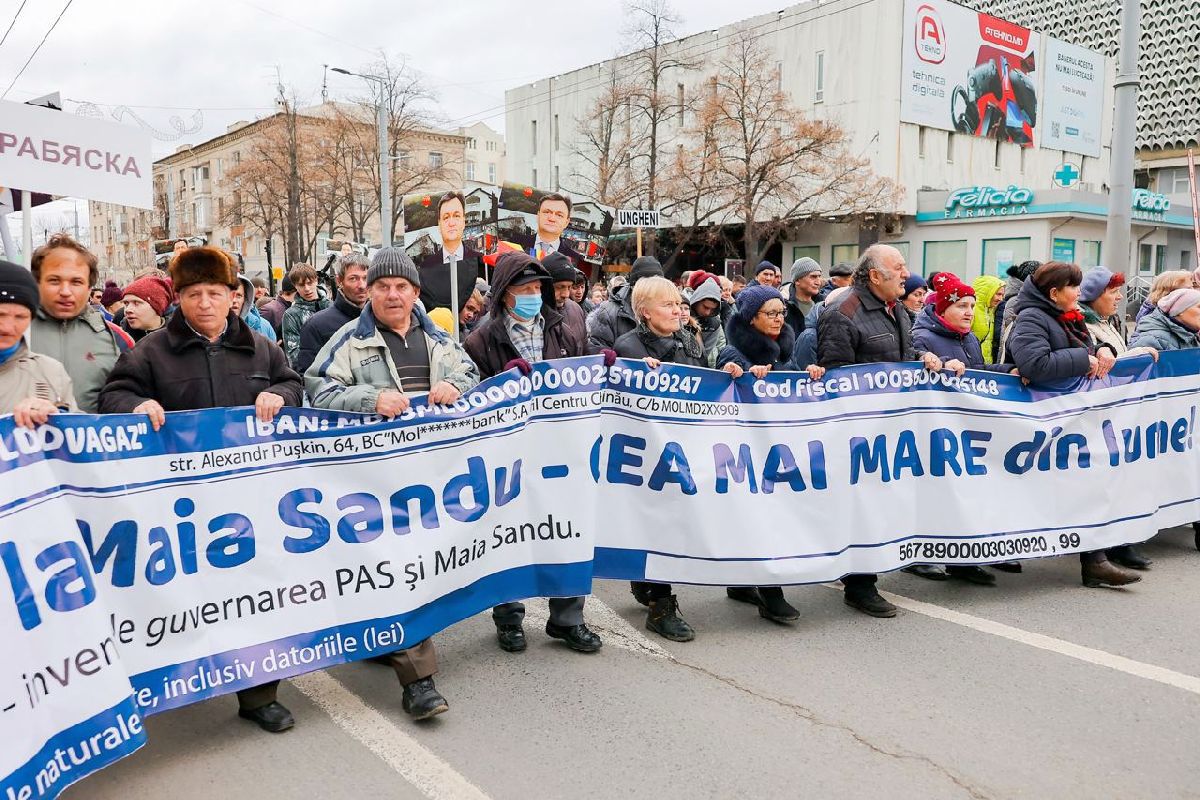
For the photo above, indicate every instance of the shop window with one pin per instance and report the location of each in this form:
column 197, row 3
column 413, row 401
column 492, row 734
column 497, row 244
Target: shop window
column 1000, row 254
column 1062, row 250
column 921, row 141
column 903, row 248
column 1090, row 255
column 812, row 251
column 844, row 252
column 1185, row 259
column 945, row 257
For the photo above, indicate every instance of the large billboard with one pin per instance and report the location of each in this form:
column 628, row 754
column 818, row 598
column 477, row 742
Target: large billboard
column 968, row 72
column 1073, row 105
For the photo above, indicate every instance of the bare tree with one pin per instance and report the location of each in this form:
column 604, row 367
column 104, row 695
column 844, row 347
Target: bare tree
column 605, row 147
column 755, row 159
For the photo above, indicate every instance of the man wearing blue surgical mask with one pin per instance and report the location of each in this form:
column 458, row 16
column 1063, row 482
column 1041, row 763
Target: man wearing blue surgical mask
column 524, row 327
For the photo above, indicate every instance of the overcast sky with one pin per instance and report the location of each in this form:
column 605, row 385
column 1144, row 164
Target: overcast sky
column 165, row 58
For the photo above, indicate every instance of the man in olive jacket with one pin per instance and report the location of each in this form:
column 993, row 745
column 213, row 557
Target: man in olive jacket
column 207, row 357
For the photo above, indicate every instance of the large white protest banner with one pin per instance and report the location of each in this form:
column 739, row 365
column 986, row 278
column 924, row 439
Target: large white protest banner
column 43, row 150
column 143, row 571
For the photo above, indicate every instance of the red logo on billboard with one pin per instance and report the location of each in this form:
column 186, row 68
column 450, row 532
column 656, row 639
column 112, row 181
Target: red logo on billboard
column 1003, row 34
column 427, row 201
column 930, row 35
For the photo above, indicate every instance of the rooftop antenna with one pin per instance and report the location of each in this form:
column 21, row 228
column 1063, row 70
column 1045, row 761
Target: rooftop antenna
column 324, row 83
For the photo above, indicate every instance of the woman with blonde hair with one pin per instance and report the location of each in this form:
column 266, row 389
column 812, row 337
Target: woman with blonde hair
column 1163, row 285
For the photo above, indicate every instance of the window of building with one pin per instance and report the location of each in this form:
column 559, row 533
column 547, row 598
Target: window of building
column 845, row 252
column 533, row 138
column 948, row 256
column 491, row 173
column 949, row 148
column 1174, row 181
column 470, row 170
column 996, row 154
column 921, row 140
column 470, row 143
column 1185, row 259
column 903, row 248
column 819, row 93
column 1000, row 254
column 1089, row 256
column 679, row 100
column 237, row 157
column 556, row 142
column 1062, row 249
column 535, row 180
column 812, row 251
column 557, row 185
column 1152, row 258
column 436, row 160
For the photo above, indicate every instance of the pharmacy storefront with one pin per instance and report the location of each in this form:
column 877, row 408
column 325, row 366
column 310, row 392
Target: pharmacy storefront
column 983, row 230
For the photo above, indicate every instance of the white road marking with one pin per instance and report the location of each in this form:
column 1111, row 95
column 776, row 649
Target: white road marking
column 1150, row 672
column 432, row 776
column 610, row 625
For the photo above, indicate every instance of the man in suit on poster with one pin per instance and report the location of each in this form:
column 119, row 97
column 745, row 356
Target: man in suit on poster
column 435, row 268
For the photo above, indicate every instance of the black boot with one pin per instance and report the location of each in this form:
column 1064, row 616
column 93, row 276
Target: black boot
column 1196, row 529
column 421, row 699
column 1129, row 556
column 664, row 620
column 1008, row 566
column 272, row 718
column 869, row 601
column 774, row 607
column 971, row 574
column 744, row 594
column 931, row 572
column 639, row 593
column 510, row 637
column 1106, row 573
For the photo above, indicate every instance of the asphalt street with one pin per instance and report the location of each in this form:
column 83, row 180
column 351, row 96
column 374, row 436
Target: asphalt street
column 1036, row 688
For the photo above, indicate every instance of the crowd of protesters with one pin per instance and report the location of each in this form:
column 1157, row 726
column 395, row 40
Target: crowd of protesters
column 200, row 335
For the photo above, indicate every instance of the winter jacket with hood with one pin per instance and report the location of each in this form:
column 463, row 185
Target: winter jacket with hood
column 490, row 345
column 183, row 371
column 320, row 327
column 984, row 325
column 1161, row 332
column 1039, row 344
column 612, row 319
column 712, row 330
column 87, row 346
column 933, row 336
column 250, row 314
column 28, row 374
column 749, row 348
column 294, row 319
column 355, row 365
column 857, row 329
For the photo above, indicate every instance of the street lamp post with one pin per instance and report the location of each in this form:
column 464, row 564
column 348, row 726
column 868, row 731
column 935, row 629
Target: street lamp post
column 1124, row 143
column 385, row 162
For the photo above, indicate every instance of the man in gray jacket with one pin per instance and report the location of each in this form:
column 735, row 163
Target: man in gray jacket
column 374, row 364
column 65, row 327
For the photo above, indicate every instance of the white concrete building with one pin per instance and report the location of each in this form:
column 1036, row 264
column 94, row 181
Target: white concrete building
column 484, row 156
column 841, row 60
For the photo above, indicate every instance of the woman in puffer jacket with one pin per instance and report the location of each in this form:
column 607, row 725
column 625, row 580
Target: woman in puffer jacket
column 1050, row 342
column 758, row 341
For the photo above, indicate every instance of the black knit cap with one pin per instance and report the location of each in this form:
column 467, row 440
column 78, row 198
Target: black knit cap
column 559, row 267
column 18, row 286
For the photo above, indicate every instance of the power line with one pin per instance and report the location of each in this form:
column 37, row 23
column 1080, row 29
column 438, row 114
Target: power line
column 53, row 25
column 20, row 8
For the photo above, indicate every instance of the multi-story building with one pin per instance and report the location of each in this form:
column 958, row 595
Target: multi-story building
column 841, row 60
column 196, row 199
column 484, row 154
column 1168, row 114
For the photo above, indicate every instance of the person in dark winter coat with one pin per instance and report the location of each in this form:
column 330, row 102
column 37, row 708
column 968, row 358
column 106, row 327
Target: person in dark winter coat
column 758, row 341
column 870, row 325
column 309, row 300
column 804, row 353
column 840, row 275
column 662, row 337
column 1050, row 341
column 1173, row 324
column 145, row 303
column 207, row 357
column 944, row 328
column 351, row 277
column 273, row 311
column 525, row 327
column 614, row 317
column 1006, row 315
column 562, row 276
